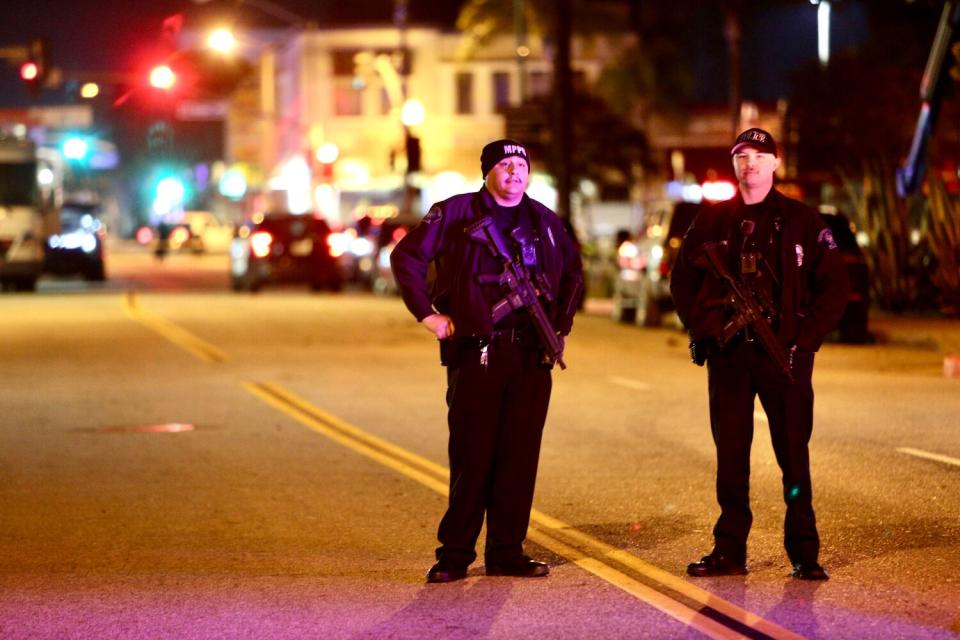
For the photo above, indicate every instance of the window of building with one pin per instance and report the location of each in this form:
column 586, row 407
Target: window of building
column 501, row 91
column 538, row 83
column 580, row 80
column 464, row 93
column 347, row 100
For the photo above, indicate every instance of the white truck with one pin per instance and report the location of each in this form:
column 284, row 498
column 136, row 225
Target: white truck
column 27, row 212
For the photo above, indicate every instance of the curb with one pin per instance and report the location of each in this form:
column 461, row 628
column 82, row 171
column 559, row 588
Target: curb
column 951, row 366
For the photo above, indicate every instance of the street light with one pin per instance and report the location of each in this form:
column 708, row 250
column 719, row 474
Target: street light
column 222, row 41
column 412, row 112
column 89, row 90
column 823, row 30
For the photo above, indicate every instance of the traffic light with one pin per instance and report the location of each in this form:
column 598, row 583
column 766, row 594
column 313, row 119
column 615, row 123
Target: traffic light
column 75, row 148
column 162, row 77
column 29, row 71
column 33, row 71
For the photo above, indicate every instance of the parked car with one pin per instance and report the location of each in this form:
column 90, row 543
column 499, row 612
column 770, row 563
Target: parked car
column 391, row 231
column 275, row 248
column 79, row 246
column 853, row 326
column 641, row 291
column 201, row 232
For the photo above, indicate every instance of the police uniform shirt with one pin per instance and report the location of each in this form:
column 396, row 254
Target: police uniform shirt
column 507, row 219
column 757, row 255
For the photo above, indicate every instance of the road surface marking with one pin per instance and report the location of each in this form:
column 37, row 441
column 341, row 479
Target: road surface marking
column 405, row 462
column 629, row 383
column 920, row 453
column 172, row 332
column 695, row 607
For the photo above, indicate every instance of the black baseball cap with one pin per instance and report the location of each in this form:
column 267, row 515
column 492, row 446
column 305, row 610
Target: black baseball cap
column 498, row 150
column 759, row 139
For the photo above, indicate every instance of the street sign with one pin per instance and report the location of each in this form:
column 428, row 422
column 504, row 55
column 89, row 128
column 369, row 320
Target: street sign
column 202, row 110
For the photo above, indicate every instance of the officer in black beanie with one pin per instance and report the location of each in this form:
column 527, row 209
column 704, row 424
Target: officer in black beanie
column 498, row 382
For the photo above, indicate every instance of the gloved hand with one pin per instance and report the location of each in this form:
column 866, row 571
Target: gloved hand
column 702, row 348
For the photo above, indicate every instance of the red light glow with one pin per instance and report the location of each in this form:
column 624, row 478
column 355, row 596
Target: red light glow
column 717, row 190
column 144, row 235
column 29, row 71
column 260, row 243
column 162, row 77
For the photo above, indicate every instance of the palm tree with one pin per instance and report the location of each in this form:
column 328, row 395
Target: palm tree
column 647, row 76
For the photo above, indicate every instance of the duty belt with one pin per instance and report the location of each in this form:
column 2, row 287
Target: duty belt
column 506, row 335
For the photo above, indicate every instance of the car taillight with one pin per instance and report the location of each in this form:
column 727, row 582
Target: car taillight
column 178, row 236
column 144, row 235
column 338, row 243
column 260, row 243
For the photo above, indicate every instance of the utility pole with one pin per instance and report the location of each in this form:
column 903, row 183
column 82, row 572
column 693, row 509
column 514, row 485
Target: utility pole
column 522, row 51
column 564, row 89
column 411, row 143
column 731, row 32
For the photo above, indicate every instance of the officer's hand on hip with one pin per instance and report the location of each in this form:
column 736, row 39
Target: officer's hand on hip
column 439, row 325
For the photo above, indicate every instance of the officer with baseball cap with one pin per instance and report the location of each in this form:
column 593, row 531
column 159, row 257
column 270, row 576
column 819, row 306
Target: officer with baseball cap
column 780, row 248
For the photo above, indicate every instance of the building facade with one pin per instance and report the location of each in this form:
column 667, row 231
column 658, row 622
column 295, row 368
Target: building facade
column 342, row 91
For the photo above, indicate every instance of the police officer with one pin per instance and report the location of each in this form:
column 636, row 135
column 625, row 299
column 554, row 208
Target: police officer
column 780, row 248
column 498, row 380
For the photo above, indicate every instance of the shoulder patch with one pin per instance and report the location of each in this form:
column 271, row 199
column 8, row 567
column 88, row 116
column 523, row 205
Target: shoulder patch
column 826, row 237
column 434, row 215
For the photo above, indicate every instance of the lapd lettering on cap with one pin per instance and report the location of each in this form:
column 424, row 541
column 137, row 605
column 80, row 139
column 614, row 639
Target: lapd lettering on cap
column 758, row 138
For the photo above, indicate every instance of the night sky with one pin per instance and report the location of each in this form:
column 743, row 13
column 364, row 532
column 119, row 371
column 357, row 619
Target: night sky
column 97, row 36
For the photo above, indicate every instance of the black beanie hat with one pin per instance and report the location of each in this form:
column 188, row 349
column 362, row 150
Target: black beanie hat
column 498, row 150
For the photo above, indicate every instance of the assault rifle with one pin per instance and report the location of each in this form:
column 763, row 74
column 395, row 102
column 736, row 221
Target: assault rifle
column 751, row 310
column 522, row 291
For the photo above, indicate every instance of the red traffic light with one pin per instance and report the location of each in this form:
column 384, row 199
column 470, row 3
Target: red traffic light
column 29, row 71
column 162, row 77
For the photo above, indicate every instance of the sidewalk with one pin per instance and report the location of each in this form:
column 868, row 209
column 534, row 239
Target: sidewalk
column 929, row 333
column 940, row 335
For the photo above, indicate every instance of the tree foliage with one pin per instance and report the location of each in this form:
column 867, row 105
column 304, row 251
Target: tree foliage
column 607, row 149
column 864, row 104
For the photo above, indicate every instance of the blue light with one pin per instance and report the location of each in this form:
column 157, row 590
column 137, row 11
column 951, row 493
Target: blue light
column 75, row 148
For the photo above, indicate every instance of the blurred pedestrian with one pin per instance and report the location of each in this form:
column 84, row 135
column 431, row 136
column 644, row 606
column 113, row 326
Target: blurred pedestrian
column 498, row 380
column 781, row 249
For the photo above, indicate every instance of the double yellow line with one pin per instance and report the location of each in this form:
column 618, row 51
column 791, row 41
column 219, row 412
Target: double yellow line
column 699, row 609
column 172, row 332
column 675, row 597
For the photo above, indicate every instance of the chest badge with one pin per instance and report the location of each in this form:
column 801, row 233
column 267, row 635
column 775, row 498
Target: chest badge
column 799, row 251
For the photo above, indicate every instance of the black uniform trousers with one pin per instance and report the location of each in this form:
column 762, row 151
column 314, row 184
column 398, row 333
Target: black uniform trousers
column 496, row 417
column 742, row 372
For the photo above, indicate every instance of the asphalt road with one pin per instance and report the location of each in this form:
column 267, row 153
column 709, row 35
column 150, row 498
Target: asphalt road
column 178, row 461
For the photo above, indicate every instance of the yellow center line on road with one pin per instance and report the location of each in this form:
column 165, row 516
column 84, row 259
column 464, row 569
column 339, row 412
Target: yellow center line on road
column 695, row 607
column 172, row 332
column 920, row 453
